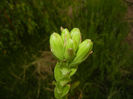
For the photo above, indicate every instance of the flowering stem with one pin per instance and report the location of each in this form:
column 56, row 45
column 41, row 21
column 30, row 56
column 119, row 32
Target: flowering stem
column 70, row 52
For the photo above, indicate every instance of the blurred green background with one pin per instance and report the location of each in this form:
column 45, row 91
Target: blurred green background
column 26, row 65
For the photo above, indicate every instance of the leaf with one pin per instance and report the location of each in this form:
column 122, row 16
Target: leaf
column 60, row 92
column 63, row 82
column 57, row 72
column 57, row 95
column 73, row 71
column 65, row 90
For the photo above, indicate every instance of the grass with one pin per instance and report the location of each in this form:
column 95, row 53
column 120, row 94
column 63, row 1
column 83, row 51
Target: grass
column 25, row 28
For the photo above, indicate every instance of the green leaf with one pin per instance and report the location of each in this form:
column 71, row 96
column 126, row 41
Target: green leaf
column 69, row 50
column 60, row 92
column 65, row 90
column 57, row 72
column 83, row 52
column 56, row 45
column 73, row 71
column 76, row 36
column 65, row 35
column 64, row 82
column 57, row 94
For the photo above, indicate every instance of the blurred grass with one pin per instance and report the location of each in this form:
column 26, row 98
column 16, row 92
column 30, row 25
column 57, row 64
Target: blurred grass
column 25, row 29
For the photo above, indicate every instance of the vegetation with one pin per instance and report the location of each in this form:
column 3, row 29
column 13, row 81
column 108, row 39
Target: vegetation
column 70, row 51
column 25, row 28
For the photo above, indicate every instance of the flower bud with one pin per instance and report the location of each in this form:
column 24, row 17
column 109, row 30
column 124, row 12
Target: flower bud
column 69, row 50
column 84, row 49
column 76, row 36
column 65, row 35
column 56, row 45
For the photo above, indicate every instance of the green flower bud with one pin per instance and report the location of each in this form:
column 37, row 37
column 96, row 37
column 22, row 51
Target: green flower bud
column 84, row 49
column 65, row 35
column 69, row 50
column 56, row 45
column 76, row 36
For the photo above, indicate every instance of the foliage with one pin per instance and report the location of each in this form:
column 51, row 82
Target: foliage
column 70, row 52
column 25, row 27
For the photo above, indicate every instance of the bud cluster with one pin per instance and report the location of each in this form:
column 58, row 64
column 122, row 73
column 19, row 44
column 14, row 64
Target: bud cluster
column 70, row 51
